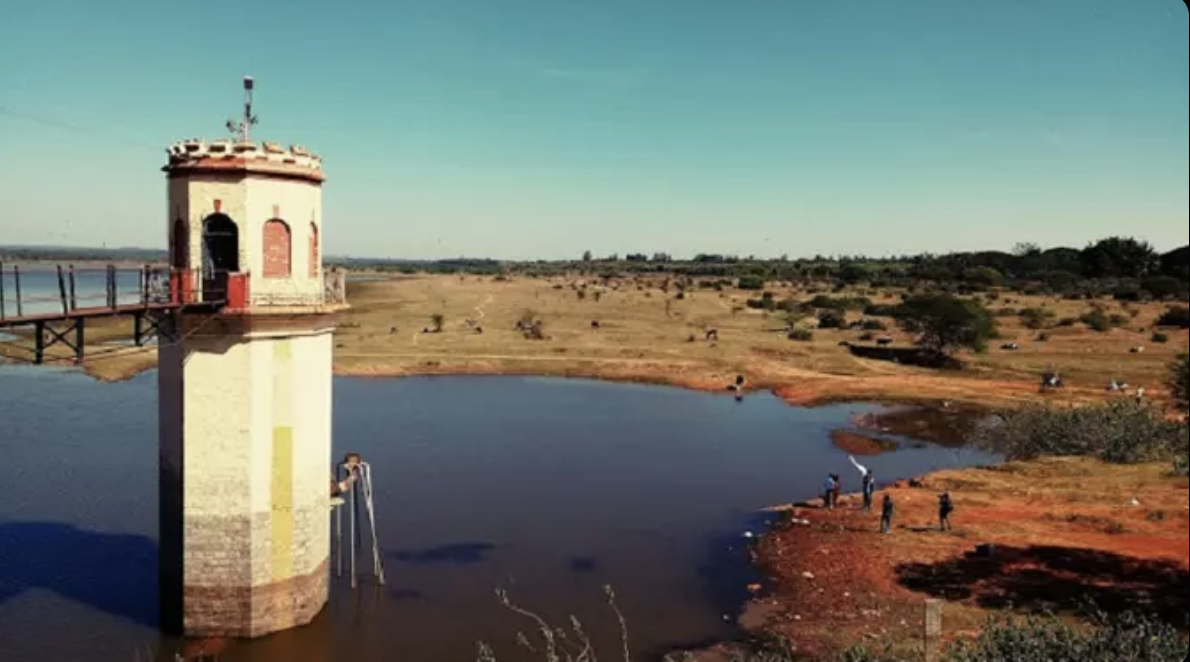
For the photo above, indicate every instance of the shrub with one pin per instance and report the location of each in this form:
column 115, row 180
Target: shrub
column 1125, row 638
column 1096, row 320
column 801, row 335
column 751, row 283
column 880, row 310
column 1120, row 432
column 1007, row 312
column 1179, row 375
column 1037, row 318
column 832, row 319
column 874, row 325
column 1160, row 338
column 945, row 323
column 1117, row 321
column 1067, row 322
column 438, row 320
column 1176, row 317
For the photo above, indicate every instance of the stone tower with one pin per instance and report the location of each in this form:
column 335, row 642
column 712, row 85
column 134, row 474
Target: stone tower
column 245, row 392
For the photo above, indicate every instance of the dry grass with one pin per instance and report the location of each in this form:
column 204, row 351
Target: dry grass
column 644, row 334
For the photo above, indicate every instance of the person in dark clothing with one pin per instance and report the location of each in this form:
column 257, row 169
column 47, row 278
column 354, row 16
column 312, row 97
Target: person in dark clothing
column 869, row 490
column 945, row 508
column 837, row 491
column 828, row 492
column 886, row 515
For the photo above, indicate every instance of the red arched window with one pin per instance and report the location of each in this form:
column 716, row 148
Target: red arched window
column 277, row 249
column 315, row 261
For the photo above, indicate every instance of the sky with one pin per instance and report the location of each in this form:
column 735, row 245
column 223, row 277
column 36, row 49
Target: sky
column 539, row 129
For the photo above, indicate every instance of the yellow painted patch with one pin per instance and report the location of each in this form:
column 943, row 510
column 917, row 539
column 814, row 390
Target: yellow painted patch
column 281, row 514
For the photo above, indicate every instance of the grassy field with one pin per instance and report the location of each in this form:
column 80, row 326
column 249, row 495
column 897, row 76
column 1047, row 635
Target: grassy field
column 649, row 335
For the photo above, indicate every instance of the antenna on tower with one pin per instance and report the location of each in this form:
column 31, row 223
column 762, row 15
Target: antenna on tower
column 243, row 129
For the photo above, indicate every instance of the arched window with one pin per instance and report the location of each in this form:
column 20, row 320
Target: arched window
column 221, row 244
column 220, row 255
column 278, row 249
column 315, row 261
column 180, row 246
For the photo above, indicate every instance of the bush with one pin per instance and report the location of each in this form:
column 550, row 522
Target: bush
column 1097, row 320
column 832, row 319
column 874, row 325
column 1178, row 387
column 880, row 310
column 1160, row 338
column 1037, row 318
column 801, row 335
column 1126, row 638
column 1176, row 317
column 1119, row 432
column 945, row 323
column 1067, row 322
column 751, row 283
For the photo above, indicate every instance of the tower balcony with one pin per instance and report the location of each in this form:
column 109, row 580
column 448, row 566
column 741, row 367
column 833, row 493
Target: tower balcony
column 237, row 293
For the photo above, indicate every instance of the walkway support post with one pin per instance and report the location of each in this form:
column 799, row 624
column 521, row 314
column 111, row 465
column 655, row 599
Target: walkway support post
column 62, row 292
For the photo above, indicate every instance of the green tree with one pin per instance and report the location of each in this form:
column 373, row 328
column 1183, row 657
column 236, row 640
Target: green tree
column 945, row 323
column 586, row 256
column 983, row 277
column 1119, row 257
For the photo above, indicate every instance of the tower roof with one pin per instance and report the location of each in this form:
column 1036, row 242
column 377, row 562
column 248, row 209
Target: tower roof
column 269, row 159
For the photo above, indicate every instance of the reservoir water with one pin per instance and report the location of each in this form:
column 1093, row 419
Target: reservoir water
column 549, row 488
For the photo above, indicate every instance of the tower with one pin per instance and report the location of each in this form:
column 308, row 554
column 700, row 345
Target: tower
column 245, row 390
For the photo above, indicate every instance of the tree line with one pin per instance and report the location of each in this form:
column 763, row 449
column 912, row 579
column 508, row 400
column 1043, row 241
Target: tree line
column 1125, row 268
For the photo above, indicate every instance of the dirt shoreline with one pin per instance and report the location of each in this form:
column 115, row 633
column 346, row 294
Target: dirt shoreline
column 809, row 390
column 1064, row 530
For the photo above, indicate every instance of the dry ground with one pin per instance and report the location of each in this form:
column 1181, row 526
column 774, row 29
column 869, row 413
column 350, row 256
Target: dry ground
column 644, row 335
column 1066, row 531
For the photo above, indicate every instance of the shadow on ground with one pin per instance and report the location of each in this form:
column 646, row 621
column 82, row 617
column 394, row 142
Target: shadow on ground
column 116, row 574
column 1057, row 579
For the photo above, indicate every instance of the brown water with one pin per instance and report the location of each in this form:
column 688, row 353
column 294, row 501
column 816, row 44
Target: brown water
column 552, row 488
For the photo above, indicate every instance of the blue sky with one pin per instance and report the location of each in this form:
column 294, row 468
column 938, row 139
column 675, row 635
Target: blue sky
column 542, row 128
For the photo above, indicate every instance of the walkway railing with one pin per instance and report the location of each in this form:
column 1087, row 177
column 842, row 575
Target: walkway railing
column 31, row 293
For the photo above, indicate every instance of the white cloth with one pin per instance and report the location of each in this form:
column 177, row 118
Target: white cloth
column 863, row 471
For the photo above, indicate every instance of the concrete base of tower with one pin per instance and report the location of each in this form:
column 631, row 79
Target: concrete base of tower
column 255, row 611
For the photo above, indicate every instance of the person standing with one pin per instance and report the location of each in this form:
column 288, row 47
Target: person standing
column 945, row 508
column 869, row 490
column 838, row 491
column 828, row 492
column 886, row 514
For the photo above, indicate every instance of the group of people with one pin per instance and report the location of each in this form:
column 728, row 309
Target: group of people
column 834, row 487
